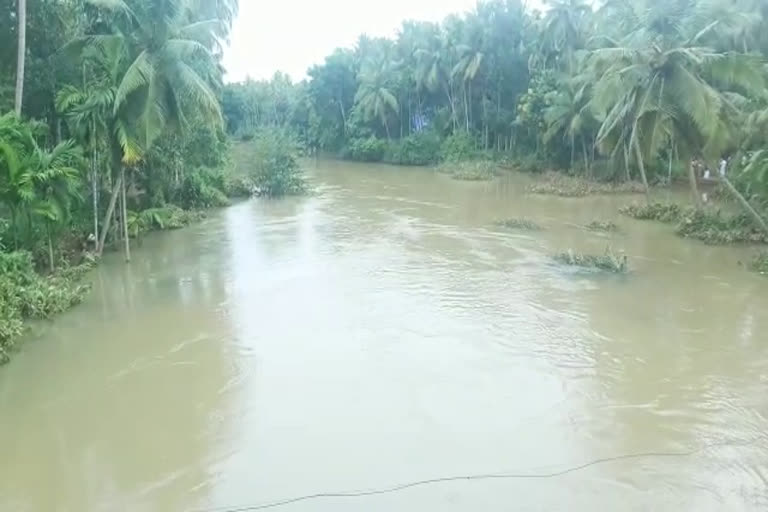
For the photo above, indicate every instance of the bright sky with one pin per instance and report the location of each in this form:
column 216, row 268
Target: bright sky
column 292, row 35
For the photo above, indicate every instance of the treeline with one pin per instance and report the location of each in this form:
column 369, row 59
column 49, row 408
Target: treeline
column 110, row 124
column 629, row 90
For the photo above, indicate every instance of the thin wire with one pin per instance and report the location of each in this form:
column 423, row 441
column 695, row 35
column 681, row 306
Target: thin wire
column 489, row 476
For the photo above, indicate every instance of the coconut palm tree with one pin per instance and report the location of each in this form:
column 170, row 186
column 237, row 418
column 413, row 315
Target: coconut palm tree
column 466, row 69
column 662, row 83
column 166, row 72
column 375, row 99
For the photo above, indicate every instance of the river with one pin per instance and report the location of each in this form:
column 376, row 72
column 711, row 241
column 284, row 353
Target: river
column 383, row 331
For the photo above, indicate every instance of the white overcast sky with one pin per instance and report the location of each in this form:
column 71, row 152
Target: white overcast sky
column 292, row 35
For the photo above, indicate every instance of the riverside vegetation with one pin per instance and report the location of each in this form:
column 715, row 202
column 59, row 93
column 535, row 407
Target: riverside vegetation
column 110, row 126
column 118, row 122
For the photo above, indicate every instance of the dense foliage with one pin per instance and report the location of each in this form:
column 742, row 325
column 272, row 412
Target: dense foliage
column 110, row 123
column 618, row 90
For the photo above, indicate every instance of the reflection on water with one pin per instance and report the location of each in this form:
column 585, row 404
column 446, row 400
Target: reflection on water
column 384, row 330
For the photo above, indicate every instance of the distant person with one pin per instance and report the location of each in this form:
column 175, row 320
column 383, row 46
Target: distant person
column 723, row 166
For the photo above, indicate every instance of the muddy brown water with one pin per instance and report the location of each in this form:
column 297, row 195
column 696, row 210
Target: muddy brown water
column 384, row 331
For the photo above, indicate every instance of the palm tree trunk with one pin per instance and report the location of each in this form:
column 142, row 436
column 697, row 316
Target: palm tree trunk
column 641, row 166
column 21, row 14
column 386, row 126
column 51, row 263
column 692, row 181
column 125, row 219
column 745, row 204
column 95, row 192
column 586, row 157
column 110, row 211
column 466, row 107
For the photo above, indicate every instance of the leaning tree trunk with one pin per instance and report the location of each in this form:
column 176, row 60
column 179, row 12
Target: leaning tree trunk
column 124, row 216
column 759, row 220
column 21, row 14
column 693, row 184
column 641, row 166
column 110, row 211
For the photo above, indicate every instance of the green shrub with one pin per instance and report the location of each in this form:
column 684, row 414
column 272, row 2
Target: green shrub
column 368, row 149
column 203, row 189
column 459, row 147
column 238, row 187
column 24, row 295
column 608, row 262
column 275, row 168
column 417, row 149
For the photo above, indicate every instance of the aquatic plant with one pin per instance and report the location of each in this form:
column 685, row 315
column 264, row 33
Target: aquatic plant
column 519, row 223
column 555, row 184
column 470, row 171
column 602, row 225
column 608, row 262
column 663, row 212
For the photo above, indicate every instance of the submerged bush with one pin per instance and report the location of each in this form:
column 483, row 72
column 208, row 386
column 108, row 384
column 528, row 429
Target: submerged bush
column 602, row 225
column 417, row 149
column 608, row 262
column 370, row 149
column 203, row 189
column 459, row 147
column 26, row 295
column 664, row 212
column 470, row 171
column 521, row 223
column 275, row 169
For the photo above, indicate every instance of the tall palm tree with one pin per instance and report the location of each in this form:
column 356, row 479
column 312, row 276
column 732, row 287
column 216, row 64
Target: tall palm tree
column 166, row 80
column 375, row 99
column 661, row 83
column 466, row 69
column 568, row 114
column 56, row 180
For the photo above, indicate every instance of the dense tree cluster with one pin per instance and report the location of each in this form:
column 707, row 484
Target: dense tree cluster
column 617, row 89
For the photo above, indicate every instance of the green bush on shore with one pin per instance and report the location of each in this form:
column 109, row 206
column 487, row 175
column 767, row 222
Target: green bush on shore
column 275, row 169
column 26, row 295
column 760, row 263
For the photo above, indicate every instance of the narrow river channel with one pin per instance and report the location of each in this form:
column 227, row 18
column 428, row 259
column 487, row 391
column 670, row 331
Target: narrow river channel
column 383, row 331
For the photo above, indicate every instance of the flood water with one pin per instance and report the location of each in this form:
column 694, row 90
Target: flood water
column 383, row 331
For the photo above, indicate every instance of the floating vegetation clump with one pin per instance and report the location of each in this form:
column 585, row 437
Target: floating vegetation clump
column 471, row 171
column 602, row 225
column 519, row 223
column 760, row 263
column 712, row 227
column 607, row 262
column 567, row 186
column 706, row 224
column 663, row 212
